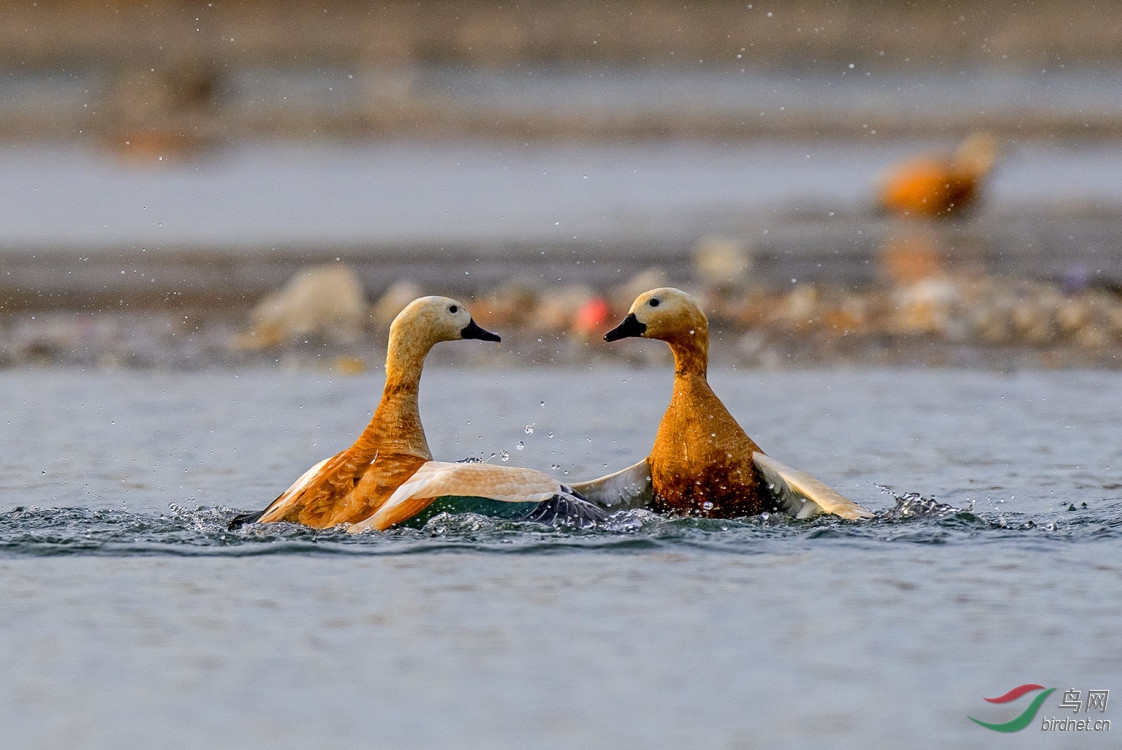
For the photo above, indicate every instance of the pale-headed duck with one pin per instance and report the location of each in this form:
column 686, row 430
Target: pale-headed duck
column 702, row 462
column 388, row 475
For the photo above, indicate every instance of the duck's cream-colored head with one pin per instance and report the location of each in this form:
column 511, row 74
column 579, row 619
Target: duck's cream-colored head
column 976, row 156
column 430, row 320
column 666, row 313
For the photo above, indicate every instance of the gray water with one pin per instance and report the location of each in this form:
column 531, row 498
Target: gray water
column 132, row 618
column 411, row 193
column 828, row 98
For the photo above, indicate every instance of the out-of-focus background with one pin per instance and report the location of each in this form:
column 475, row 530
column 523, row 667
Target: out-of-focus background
column 209, row 211
column 190, row 183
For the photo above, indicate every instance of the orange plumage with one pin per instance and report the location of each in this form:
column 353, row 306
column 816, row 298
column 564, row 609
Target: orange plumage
column 702, row 462
column 935, row 186
column 388, row 475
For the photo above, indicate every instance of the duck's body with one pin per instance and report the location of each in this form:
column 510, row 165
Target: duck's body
column 702, row 462
column 933, row 186
column 388, row 475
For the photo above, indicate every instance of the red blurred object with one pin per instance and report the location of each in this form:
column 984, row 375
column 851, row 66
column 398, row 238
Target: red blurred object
column 591, row 317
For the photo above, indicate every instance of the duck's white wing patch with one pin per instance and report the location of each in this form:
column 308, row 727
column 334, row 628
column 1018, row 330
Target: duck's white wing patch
column 435, row 479
column 803, row 496
column 628, row 488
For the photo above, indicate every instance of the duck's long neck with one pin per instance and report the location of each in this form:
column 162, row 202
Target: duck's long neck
column 691, row 353
column 694, row 406
column 396, row 424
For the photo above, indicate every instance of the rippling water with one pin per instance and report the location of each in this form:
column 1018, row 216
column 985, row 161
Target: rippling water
column 133, row 618
column 914, row 519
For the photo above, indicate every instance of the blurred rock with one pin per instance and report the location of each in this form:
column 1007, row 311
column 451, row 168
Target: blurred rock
column 512, row 303
column 925, row 306
column 324, row 302
column 559, row 306
column 721, row 262
column 623, row 295
column 800, row 307
column 393, row 301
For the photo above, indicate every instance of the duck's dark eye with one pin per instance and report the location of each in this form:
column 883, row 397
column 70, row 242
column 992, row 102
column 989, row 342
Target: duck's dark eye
column 654, row 302
column 453, row 309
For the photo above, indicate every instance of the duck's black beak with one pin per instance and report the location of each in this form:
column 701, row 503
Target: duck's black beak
column 473, row 331
column 629, row 327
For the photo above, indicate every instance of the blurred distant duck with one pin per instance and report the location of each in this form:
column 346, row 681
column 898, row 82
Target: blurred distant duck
column 702, row 462
column 929, row 186
column 164, row 111
column 388, row 475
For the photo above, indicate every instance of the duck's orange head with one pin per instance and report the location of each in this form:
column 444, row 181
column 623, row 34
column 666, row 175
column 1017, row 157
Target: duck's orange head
column 435, row 319
column 666, row 313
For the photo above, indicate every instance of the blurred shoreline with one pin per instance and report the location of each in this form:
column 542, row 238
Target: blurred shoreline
column 911, row 295
column 168, row 164
column 172, row 74
column 491, row 33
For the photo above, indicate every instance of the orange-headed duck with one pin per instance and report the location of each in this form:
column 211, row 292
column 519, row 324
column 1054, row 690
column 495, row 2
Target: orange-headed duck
column 388, row 475
column 938, row 186
column 702, row 462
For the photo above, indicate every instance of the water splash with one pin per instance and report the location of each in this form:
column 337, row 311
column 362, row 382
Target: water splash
column 914, row 505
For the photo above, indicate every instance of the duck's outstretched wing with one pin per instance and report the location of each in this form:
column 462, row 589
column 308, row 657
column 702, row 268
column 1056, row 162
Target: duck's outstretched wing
column 436, row 479
column 628, row 488
column 801, row 495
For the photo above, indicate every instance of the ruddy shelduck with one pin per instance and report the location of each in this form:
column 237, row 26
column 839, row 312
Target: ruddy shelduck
column 389, row 474
column 702, row 462
column 934, row 186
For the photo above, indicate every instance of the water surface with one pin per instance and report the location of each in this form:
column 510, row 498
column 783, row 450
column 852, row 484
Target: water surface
column 260, row 196
column 133, row 617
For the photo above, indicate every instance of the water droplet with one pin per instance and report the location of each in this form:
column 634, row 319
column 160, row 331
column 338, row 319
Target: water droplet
column 528, row 429
column 707, row 505
column 520, row 445
column 504, row 456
